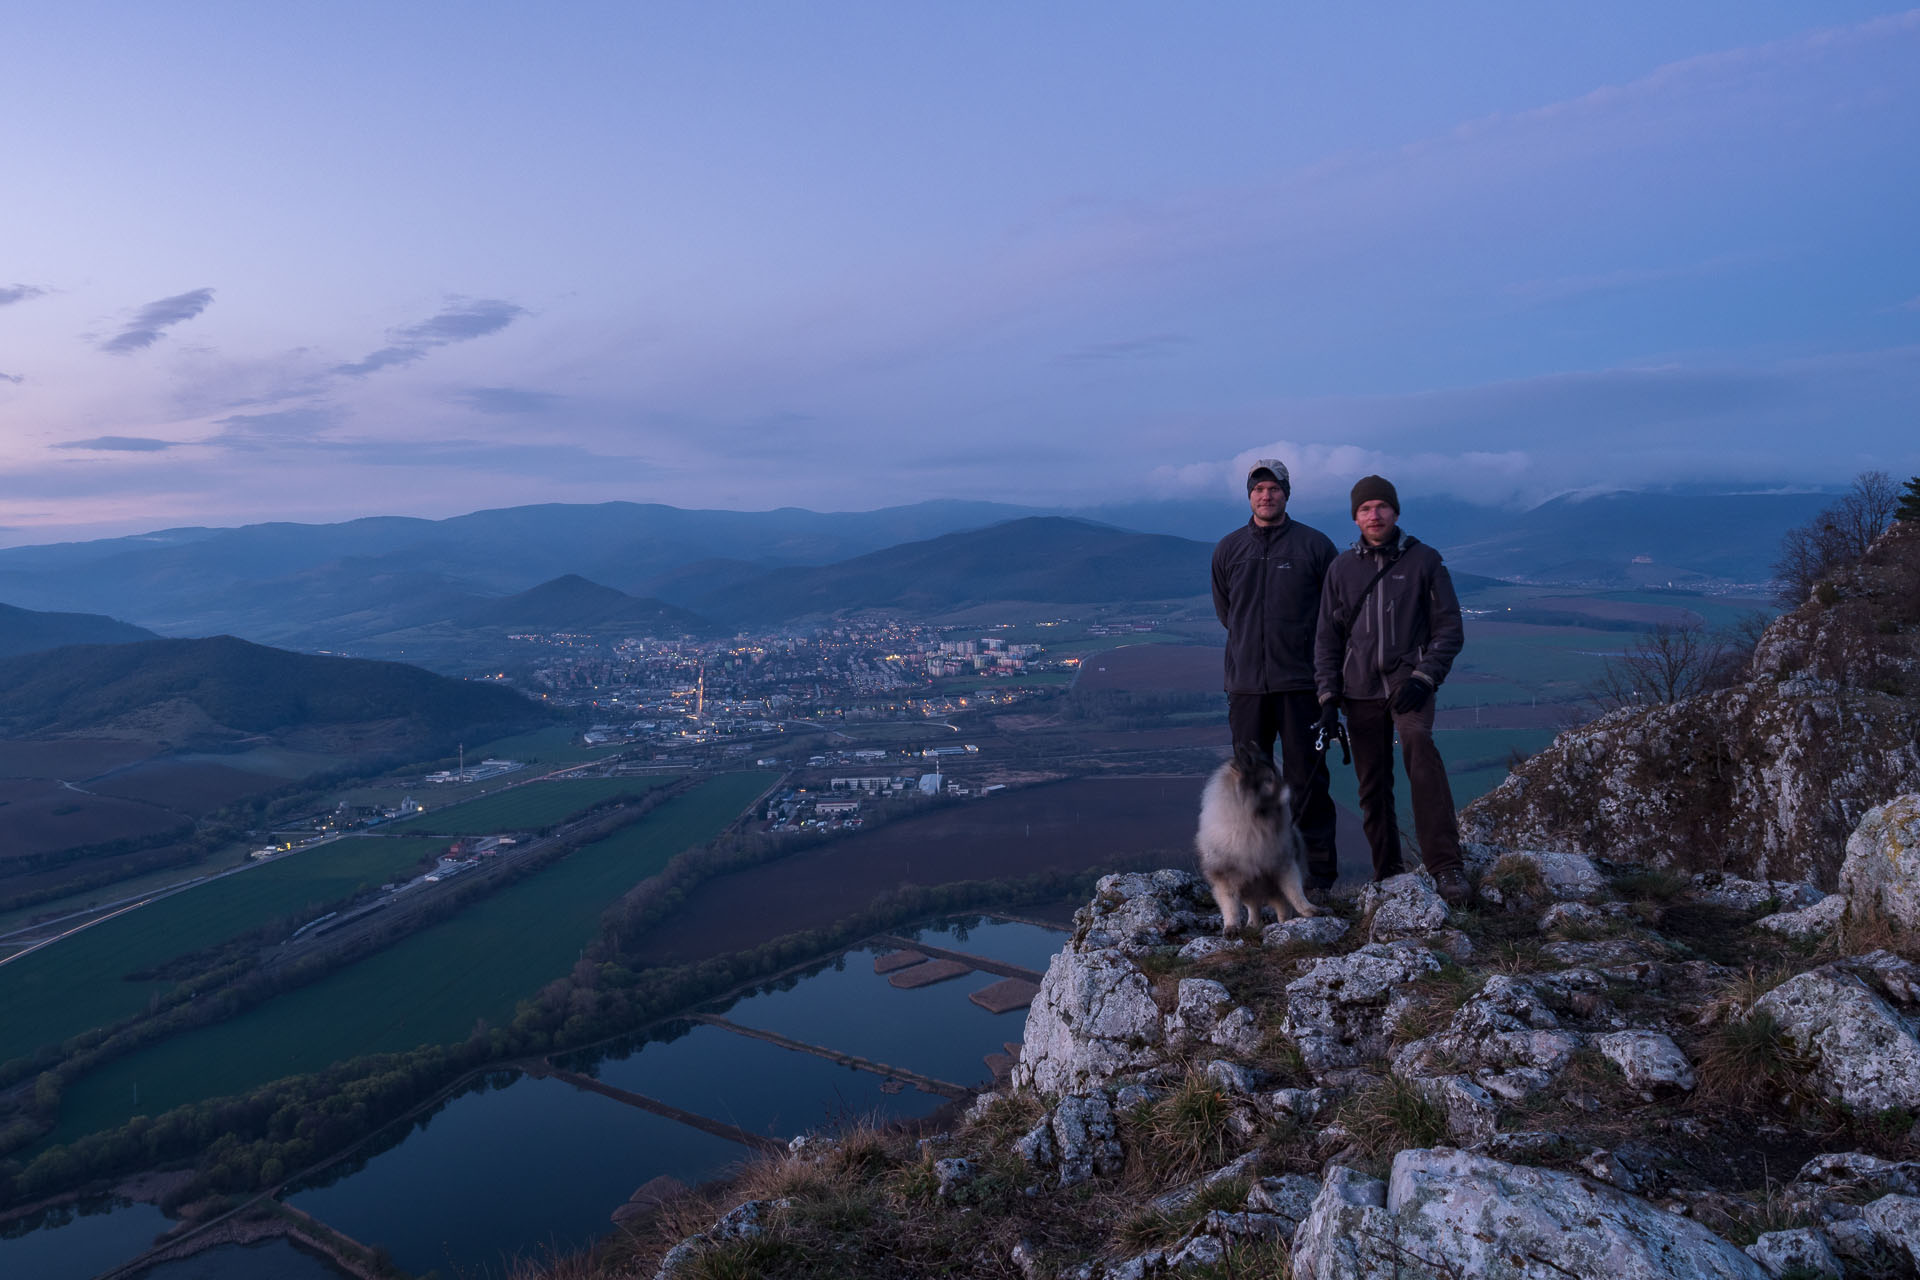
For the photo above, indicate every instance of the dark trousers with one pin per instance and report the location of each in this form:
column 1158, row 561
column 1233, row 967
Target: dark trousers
column 1260, row 718
column 1371, row 724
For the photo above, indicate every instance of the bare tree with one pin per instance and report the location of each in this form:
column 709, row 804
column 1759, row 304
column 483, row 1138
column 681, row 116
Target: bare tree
column 1838, row 536
column 1666, row 664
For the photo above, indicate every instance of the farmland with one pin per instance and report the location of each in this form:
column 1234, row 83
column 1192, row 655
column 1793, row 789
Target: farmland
column 81, row 981
column 532, row 807
column 429, row 987
column 42, row 816
column 1071, row 825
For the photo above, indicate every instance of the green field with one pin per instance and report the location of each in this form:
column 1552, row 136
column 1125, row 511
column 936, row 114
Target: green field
column 552, row 747
column 532, row 807
column 79, row 982
column 427, row 988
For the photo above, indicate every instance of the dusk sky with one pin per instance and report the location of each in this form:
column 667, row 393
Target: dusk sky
column 322, row 261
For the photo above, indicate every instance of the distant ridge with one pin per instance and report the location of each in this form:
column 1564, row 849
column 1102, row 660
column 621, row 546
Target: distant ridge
column 570, row 602
column 182, row 691
column 1039, row 559
column 29, row 630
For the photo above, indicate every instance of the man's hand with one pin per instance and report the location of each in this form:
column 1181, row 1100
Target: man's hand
column 1413, row 695
column 1329, row 722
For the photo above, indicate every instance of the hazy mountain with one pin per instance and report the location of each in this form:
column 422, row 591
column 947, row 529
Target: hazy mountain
column 28, row 631
column 1039, row 558
column 571, row 603
column 187, row 691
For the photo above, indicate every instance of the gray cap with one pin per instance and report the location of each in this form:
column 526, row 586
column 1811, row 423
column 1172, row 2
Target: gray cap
column 1277, row 473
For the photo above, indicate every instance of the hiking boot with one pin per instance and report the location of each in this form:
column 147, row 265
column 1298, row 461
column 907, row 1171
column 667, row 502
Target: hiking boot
column 1451, row 884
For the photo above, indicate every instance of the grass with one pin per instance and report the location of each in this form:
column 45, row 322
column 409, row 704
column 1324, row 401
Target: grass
column 1393, row 1116
column 1750, row 1062
column 1151, row 1228
column 81, row 982
column 555, row 746
column 533, row 807
column 1186, row 1131
column 427, row 988
column 1515, row 877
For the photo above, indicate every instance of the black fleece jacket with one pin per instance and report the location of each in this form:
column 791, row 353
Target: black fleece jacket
column 1266, row 593
column 1408, row 626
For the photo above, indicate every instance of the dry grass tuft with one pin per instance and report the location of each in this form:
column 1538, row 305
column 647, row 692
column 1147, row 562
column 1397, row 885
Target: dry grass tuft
column 1750, row 1062
column 1185, row 1132
column 1864, row 928
column 1393, row 1116
column 1149, row 1228
column 1514, row 877
column 1656, row 886
column 1738, row 994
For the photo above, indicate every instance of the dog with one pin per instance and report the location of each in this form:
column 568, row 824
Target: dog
column 1249, row 850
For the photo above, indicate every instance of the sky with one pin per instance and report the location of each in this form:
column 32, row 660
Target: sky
column 273, row 262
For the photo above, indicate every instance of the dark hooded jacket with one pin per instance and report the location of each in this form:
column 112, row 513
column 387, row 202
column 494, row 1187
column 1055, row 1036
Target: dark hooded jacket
column 1407, row 626
column 1266, row 593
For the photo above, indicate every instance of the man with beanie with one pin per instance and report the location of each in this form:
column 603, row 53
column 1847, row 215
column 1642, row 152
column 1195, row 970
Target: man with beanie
column 1266, row 591
column 1388, row 634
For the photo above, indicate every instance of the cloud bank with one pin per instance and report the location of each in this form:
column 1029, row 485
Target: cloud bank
column 12, row 293
column 119, row 444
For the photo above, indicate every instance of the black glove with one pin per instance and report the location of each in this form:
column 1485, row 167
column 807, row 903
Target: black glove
column 1413, row 695
column 1329, row 722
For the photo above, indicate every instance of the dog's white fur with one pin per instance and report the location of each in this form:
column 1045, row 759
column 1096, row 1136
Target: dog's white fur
column 1249, row 849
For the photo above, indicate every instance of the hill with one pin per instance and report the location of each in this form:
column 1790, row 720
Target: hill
column 1039, row 558
column 28, row 630
column 178, row 692
column 572, row 603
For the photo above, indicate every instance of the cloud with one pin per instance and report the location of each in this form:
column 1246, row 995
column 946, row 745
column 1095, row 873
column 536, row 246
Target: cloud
column 155, row 318
column 276, row 427
column 509, row 400
column 120, row 444
column 12, row 377
column 463, row 320
column 12, row 293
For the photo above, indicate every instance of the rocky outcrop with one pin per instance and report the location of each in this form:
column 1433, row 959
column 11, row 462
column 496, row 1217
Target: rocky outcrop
column 1337, row 1011
column 1765, row 779
column 1882, row 868
column 1445, row 1213
column 1862, row 1051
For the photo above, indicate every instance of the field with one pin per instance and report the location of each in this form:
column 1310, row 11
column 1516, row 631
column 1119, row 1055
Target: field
column 80, row 982
column 551, row 747
column 190, row 788
column 1155, row 668
column 70, row 758
column 429, row 987
column 39, row 815
column 532, row 807
column 1072, row 825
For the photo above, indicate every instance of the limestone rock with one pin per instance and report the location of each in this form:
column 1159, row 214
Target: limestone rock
column 1799, row 1252
column 1084, row 1136
column 1505, row 1038
column 1864, row 1053
column 1137, row 911
column 1197, row 1008
column 1739, row 894
column 1471, row 1114
column 1856, row 1176
column 953, row 1173
column 1896, row 1220
column 1211, row 945
column 1037, row 1146
column 1446, row 1214
column 1289, row 1198
column 1093, row 1019
column 1822, row 918
column 1402, row 906
column 1650, row 1060
column 1320, row 930
column 1563, row 915
column 1298, row 1104
column 1882, row 867
column 1336, row 1010
column 1233, row 1080
column 1768, row 777
column 1564, row 876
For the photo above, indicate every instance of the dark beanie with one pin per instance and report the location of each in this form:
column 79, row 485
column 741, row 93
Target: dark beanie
column 1375, row 488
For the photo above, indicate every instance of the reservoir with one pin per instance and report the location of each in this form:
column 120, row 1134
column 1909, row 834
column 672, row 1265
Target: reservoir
column 523, row 1165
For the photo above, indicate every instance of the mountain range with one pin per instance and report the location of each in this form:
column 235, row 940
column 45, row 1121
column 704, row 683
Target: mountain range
column 670, row 570
column 28, row 630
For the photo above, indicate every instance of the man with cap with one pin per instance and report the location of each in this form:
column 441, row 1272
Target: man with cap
column 1388, row 634
column 1266, row 591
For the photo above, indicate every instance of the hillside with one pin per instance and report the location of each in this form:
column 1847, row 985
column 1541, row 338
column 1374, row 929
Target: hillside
column 1039, row 558
column 571, row 603
column 28, row 630
column 220, row 689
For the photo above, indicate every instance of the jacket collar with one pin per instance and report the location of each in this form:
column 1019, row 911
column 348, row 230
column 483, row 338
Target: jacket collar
column 1270, row 530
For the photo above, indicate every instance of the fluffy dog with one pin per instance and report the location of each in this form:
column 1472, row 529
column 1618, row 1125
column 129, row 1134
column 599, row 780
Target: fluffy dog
column 1249, row 850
